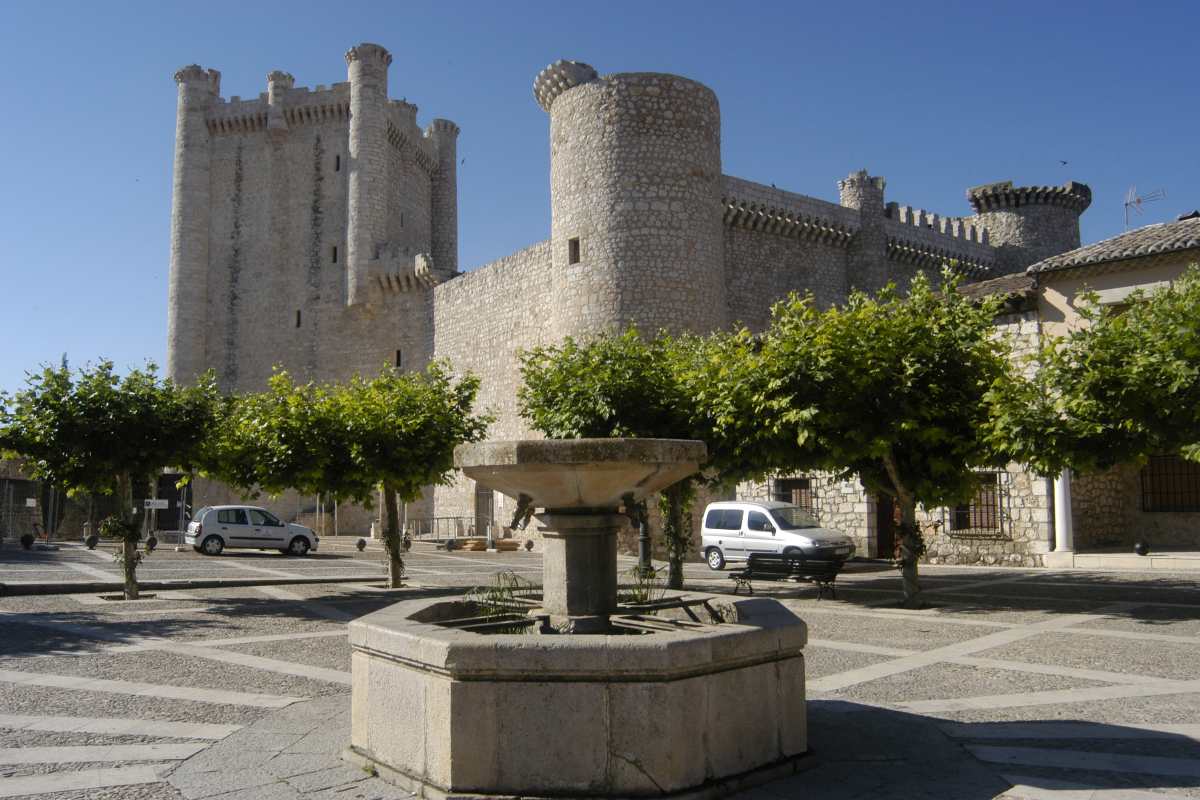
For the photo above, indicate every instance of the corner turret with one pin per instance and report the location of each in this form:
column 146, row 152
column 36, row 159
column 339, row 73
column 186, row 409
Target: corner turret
column 864, row 193
column 1029, row 223
column 367, row 71
column 444, row 197
column 187, row 301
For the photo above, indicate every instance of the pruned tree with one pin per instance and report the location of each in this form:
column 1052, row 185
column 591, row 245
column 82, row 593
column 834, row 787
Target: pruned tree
column 612, row 385
column 893, row 389
column 1121, row 386
column 98, row 432
column 396, row 431
column 687, row 387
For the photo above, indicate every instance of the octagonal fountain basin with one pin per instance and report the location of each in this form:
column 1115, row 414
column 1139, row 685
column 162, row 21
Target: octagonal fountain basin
column 708, row 698
column 580, row 473
column 709, row 701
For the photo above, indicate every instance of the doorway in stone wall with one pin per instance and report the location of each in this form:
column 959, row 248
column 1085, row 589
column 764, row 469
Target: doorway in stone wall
column 484, row 509
column 886, row 523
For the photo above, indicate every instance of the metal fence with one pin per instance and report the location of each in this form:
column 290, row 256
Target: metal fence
column 439, row 528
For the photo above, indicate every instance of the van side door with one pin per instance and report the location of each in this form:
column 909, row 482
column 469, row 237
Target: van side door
column 760, row 535
column 726, row 524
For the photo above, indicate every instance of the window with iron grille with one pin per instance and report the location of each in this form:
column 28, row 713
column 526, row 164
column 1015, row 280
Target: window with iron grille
column 1170, row 483
column 797, row 491
column 986, row 516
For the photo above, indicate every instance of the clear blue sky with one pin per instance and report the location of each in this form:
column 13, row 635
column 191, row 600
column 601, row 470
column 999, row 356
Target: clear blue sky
column 934, row 96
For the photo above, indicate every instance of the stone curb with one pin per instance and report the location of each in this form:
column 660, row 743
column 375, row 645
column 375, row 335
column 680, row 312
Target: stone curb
column 87, row 587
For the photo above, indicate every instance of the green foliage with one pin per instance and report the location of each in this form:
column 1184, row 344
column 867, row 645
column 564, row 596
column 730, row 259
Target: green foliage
column 114, row 527
column 398, row 429
column 610, row 386
column 891, row 388
column 1123, row 386
column 83, row 432
column 725, row 397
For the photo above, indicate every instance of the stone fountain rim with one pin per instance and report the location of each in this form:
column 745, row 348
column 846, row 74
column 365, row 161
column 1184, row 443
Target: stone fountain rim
column 561, row 452
column 763, row 629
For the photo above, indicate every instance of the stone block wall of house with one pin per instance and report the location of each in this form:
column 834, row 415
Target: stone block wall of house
column 1109, row 512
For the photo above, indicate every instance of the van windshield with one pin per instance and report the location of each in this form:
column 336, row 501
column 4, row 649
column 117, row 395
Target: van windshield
column 792, row 517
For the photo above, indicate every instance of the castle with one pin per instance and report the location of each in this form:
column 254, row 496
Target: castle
column 317, row 229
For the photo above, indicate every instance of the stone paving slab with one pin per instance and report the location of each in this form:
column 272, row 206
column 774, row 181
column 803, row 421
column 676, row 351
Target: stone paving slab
column 41, row 785
column 866, row 748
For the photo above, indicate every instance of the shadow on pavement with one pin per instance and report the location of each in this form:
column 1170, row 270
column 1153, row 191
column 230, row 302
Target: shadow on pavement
column 861, row 751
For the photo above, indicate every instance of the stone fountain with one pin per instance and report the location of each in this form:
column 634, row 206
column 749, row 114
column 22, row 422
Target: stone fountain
column 695, row 696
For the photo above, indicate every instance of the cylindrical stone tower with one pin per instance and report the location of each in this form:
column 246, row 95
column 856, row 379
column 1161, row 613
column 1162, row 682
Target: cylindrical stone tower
column 635, row 187
column 867, row 256
column 1028, row 223
column 187, row 300
column 366, row 227
column 444, row 197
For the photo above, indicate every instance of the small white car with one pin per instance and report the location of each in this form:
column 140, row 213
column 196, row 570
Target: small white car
column 213, row 528
column 733, row 530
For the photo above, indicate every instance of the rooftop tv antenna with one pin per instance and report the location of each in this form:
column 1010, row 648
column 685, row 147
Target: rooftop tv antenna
column 1135, row 201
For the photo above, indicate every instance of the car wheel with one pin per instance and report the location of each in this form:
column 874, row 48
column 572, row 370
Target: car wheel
column 196, row 547
column 212, row 546
column 716, row 560
column 298, row 547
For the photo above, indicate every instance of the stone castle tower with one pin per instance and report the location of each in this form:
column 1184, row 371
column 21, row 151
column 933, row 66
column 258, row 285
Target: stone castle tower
column 307, row 226
column 317, row 229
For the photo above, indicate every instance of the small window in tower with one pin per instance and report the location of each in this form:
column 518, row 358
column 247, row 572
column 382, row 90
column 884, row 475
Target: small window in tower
column 337, row 163
column 399, row 359
column 573, row 250
column 401, row 219
column 297, row 318
column 335, row 254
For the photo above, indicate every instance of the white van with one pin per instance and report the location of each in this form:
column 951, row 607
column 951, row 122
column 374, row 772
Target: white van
column 733, row 530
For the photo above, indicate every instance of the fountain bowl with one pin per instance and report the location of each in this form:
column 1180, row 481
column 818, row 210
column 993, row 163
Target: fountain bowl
column 580, row 473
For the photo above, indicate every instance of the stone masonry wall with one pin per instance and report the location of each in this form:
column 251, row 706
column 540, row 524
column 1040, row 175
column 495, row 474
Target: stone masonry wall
column 762, row 269
column 1107, row 508
column 481, row 319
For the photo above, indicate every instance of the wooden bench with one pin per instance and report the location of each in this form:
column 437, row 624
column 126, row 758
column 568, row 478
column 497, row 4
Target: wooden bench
column 779, row 567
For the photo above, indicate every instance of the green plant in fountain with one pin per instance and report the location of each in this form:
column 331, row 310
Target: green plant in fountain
column 643, row 586
column 507, row 595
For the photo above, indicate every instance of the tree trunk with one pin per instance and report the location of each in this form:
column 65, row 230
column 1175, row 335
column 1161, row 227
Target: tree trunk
column 676, row 506
column 130, row 532
column 911, row 543
column 391, row 537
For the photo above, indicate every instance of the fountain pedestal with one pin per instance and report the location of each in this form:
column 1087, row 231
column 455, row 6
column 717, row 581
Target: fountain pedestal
column 694, row 701
column 579, row 567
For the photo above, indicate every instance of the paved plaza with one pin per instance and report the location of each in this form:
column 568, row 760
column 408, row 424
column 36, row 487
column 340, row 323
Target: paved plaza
column 1013, row 684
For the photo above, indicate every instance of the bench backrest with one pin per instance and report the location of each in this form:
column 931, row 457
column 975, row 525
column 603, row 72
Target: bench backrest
column 780, row 564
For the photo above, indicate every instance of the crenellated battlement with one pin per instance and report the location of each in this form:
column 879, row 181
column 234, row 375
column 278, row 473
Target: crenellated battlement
column 409, row 141
column 399, row 274
column 965, row 228
column 296, row 106
column 992, row 196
